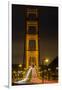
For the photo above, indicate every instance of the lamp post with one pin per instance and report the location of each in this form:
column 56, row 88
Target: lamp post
column 46, row 63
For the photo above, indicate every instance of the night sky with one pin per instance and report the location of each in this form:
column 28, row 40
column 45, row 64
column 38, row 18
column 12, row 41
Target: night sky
column 48, row 32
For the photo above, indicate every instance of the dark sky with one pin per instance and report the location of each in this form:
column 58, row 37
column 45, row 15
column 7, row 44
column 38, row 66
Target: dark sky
column 48, row 32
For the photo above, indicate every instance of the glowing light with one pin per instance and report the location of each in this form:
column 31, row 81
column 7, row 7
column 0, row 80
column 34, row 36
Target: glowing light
column 20, row 65
column 14, row 72
column 49, row 69
column 46, row 60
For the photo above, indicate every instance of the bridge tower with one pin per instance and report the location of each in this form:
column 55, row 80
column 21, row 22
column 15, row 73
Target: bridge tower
column 32, row 38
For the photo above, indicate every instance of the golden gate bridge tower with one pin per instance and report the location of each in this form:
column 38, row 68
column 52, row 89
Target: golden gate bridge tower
column 31, row 37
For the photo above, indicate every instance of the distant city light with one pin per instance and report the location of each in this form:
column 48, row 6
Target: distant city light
column 49, row 69
column 14, row 72
column 20, row 65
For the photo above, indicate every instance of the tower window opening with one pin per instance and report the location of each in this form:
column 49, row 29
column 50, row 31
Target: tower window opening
column 32, row 30
column 32, row 45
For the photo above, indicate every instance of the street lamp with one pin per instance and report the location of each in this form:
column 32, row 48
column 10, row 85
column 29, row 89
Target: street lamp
column 46, row 60
column 48, row 69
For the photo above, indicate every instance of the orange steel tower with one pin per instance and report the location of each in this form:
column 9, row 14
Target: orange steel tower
column 31, row 38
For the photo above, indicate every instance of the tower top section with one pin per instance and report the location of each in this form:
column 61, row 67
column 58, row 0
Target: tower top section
column 32, row 11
